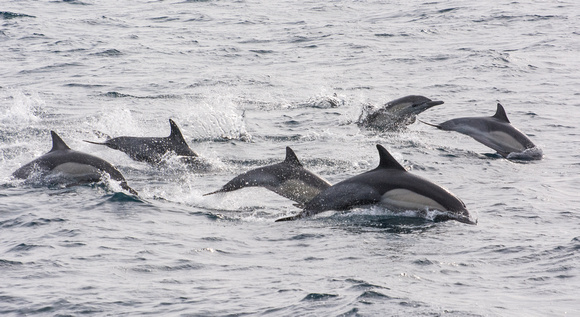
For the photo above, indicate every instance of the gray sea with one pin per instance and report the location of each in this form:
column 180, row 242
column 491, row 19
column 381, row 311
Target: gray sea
column 245, row 79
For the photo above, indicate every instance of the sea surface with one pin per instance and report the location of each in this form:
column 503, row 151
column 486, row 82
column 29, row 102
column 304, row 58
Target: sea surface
column 245, row 79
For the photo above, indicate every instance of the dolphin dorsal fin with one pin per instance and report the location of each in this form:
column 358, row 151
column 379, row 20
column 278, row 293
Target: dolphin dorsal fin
column 387, row 160
column 291, row 157
column 175, row 132
column 57, row 143
column 500, row 113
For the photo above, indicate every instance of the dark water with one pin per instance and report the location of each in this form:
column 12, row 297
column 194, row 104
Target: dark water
column 245, row 79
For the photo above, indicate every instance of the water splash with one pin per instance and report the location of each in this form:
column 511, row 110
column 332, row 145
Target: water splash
column 532, row 154
column 117, row 122
column 218, row 116
column 21, row 107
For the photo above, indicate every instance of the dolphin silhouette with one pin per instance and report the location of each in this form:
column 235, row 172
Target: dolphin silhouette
column 151, row 149
column 391, row 185
column 61, row 160
column 495, row 132
column 288, row 179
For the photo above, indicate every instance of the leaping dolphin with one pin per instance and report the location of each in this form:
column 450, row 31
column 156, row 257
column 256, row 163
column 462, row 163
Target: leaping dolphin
column 288, row 179
column 151, row 149
column 80, row 167
column 495, row 132
column 389, row 184
column 395, row 114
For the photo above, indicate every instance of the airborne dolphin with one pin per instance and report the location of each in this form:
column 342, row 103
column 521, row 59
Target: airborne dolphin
column 151, row 149
column 61, row 160
column 288, row 179
column 389, row 184
column 495, row 132
column 396, row 114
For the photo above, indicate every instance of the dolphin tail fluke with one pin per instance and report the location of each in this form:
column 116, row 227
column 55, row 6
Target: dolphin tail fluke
column 431, row 124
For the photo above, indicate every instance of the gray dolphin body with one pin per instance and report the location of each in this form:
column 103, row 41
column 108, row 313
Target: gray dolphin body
column 288, row 179
column 72, row 165
column 396, row 114
column 151, row 149
column 389, row 184
column 495, row 132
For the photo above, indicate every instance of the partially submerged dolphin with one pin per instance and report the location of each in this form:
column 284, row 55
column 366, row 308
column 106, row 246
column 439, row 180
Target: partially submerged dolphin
column 389, row 184
column 396, row 114
column 151, row 149
column 495, row 132
column 62, row 161
column 288, row 179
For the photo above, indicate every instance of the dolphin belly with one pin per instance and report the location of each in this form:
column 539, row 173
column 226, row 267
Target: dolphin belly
column 507, row 141
column 401, row 198
column 77, row 171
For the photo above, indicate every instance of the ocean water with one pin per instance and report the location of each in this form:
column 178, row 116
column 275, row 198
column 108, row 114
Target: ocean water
column 245, row 79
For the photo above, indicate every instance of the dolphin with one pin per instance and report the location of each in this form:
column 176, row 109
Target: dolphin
column 495, row 132
column 288, row 179
column 151, row 150
column 396, row 114
column 61, row 160
column 391, row 185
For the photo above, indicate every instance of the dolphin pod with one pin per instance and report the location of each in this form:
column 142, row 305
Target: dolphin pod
column 389, row 184
column 77, row 166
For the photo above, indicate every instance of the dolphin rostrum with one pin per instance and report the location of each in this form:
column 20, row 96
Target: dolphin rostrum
column 396, row 114
column 151, row 149
column 80, row 167
column 391, row 185
column 495, row 132
column 288, row 179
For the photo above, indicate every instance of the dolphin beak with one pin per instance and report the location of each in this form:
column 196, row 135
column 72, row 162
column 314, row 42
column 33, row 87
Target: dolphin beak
column 428, row 104
column 434, row 103
column 420, row 107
